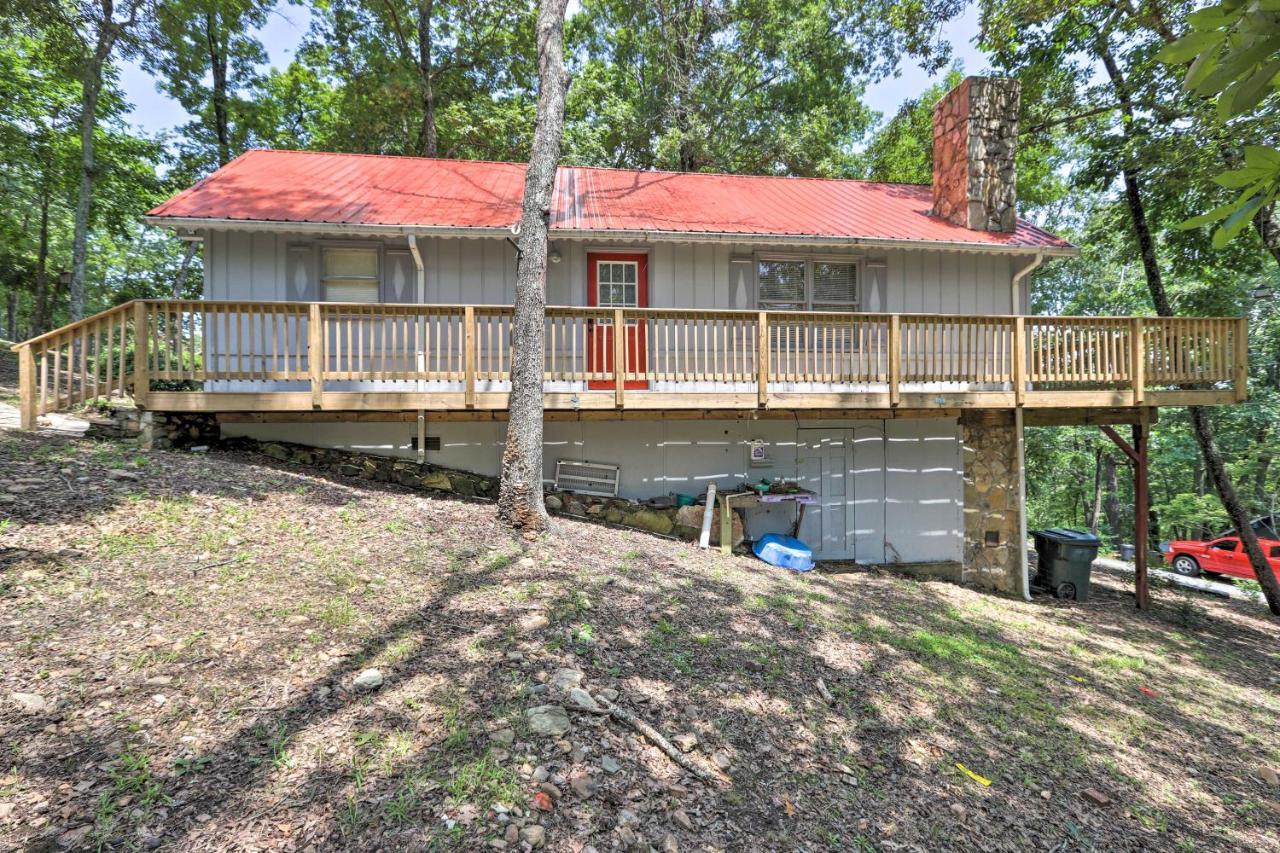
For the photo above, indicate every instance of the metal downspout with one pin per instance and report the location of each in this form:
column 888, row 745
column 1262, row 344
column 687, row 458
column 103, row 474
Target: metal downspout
column 1015, row 285
column 1015, row 305
column 1024, row 568
column 420, row 293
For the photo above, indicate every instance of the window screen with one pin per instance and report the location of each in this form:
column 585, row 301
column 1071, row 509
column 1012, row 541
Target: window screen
column 350, row 274
column 835, row 285
column 781, row 285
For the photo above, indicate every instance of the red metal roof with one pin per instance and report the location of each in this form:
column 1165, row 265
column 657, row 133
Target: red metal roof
column 361, row 190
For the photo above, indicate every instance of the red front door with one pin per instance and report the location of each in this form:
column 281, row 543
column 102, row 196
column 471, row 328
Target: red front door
column 617, row 280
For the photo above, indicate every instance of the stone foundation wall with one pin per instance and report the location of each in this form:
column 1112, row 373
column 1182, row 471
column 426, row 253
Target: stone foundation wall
column 681, row 522
column 166, row 430
column 992, row 525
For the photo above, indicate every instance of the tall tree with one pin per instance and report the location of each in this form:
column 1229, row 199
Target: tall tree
column 206, row 57
column 95, row 29
column 429, row 77
column 723, row 85
column 520, row 493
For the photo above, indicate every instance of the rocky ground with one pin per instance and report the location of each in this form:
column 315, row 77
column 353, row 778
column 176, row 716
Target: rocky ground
column 186, row 642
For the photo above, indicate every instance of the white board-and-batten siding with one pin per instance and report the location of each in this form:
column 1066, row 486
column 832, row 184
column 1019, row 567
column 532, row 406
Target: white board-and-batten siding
column 269, row 266
column 906, row 478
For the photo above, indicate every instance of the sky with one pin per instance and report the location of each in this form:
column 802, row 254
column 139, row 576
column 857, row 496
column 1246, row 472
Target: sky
column 154, row 111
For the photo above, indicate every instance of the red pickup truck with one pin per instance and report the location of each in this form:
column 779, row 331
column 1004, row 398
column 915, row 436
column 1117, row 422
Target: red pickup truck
column 1222, row 556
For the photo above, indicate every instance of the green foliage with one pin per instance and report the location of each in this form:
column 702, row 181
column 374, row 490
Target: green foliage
column 1232, row 55
column 749, row 86
column 1191, row 512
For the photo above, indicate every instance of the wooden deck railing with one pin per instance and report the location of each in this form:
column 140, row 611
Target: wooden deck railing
column 147, row 348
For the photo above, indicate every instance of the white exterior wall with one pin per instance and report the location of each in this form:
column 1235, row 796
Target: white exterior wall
column 240, row 265
column 906, row 478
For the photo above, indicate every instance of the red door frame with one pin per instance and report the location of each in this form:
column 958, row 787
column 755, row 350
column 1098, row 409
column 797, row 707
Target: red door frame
column 600, row 336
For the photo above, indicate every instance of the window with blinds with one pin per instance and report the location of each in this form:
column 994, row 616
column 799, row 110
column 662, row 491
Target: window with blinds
column 782, row 285
column 349, row 274
column 807, row 285
column 835, row 285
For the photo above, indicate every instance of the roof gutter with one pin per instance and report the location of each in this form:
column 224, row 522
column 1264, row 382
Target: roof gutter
column 606, row 234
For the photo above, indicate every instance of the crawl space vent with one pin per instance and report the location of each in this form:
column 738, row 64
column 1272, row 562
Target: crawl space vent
column 432, row 443
column 587, row 478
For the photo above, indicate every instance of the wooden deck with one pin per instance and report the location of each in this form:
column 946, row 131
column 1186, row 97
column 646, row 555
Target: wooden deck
column 263, row 357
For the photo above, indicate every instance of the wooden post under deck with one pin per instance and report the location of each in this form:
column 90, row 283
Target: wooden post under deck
column 1137, row 453
column 1141, row 514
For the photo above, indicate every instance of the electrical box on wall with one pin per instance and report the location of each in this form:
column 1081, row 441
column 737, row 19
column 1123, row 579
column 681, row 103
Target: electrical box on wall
column 758, row 453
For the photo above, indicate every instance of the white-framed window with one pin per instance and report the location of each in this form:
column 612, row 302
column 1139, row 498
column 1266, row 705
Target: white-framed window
column 616, row 285
column 808, row 284
column 349, row 274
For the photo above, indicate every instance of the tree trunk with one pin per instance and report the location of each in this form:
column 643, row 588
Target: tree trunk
column 520, row 493
column 40, row 315
column 1095, row 515
column 218, row 70
column 427, row 142
column 11, row 316
column 180, row 280
column 1160, row 300
column 1264, row 222
column 1235, row 508
column 1111, row 503
column 91, row 83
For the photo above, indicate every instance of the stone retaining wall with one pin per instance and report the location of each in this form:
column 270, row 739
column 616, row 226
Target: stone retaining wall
column 166, row 430
column 680, row 522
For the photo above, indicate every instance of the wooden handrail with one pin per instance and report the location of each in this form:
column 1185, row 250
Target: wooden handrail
column 71, row 327
column 183, row 344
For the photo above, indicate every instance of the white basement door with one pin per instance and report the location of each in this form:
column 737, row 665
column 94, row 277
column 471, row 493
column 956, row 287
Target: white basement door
column 846, row 468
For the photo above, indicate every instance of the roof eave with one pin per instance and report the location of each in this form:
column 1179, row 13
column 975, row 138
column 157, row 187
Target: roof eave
column 640, row 235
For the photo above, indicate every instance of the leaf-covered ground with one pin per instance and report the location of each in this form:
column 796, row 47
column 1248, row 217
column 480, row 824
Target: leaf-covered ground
column 178, row 642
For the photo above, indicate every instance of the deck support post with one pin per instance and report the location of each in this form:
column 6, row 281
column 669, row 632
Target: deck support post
column 1137, row 453
column 27, row 388
column 619, row 357
column 469, row 356
column 762, row 359
column 141, row 358
column 315, row 354
column 895, row 360
column 1138, row 360
column 1240, row 360
column 422, row 436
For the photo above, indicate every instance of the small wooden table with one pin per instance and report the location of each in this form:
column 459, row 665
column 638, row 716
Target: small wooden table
column 728, row 500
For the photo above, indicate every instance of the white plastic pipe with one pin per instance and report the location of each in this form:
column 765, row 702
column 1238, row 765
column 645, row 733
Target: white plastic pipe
column 708, row 513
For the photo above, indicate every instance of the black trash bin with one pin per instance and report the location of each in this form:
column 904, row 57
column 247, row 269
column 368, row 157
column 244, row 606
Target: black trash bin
column 1065, row 559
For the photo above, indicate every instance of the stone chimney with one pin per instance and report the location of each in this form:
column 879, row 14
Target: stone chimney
column 975, row 138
